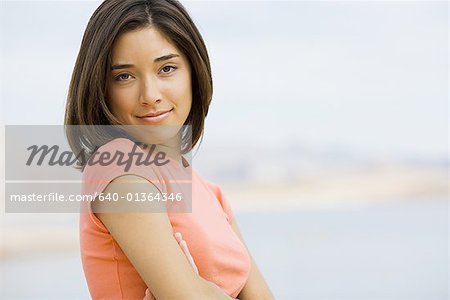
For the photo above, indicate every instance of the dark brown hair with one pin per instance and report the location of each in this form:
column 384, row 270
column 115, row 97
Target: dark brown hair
column 86, row 101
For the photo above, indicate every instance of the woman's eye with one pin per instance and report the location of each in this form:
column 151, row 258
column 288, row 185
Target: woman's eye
column 167, row 69
column 122, row 77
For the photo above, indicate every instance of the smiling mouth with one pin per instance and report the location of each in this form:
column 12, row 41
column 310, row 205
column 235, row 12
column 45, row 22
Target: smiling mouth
column 157, row 116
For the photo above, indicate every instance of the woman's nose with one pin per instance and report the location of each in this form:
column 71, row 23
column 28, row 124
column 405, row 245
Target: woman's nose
column 150, row 92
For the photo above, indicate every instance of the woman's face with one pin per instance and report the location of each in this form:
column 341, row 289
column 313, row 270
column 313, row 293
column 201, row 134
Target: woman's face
column 150, row 80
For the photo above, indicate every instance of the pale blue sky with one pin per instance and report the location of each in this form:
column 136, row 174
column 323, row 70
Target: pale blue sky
column 368, row 75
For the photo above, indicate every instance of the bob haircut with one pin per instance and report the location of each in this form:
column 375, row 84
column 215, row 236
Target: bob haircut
column 87, row 99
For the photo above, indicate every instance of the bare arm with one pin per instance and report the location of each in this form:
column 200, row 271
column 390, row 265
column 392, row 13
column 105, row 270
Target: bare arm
column 148, row 242
column 256, row 287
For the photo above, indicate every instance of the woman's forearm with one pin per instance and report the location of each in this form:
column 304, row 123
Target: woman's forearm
column 212, row 291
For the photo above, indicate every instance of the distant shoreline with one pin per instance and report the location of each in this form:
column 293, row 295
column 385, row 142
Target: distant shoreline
column 333, row 191
column 385, row 186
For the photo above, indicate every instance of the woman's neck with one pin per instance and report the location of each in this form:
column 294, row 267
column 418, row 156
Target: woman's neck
column 171, row 150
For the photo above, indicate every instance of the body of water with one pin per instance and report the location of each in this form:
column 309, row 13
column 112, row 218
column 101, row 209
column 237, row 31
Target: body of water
column 395, row 251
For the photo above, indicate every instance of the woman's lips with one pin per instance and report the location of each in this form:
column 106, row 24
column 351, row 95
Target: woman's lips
column 157, row 118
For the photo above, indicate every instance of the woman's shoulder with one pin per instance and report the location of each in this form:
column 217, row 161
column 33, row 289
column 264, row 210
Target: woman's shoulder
column 116, row 158
column 113, row 154
column 219, row 195
column 215, row 188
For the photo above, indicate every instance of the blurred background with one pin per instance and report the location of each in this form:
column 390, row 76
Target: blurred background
column 328, row 133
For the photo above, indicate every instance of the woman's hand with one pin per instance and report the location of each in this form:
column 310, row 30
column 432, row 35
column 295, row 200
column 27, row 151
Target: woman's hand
column 184, row 247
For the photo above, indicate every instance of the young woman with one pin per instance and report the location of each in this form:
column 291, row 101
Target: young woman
column 144, row 64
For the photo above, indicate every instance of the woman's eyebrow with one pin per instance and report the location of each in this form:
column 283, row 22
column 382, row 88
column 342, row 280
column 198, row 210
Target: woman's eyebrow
column 166, row 57
column 122, row 66
column 162, row 58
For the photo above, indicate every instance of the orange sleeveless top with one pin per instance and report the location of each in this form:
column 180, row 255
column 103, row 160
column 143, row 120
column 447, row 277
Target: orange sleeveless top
column 218, row 252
